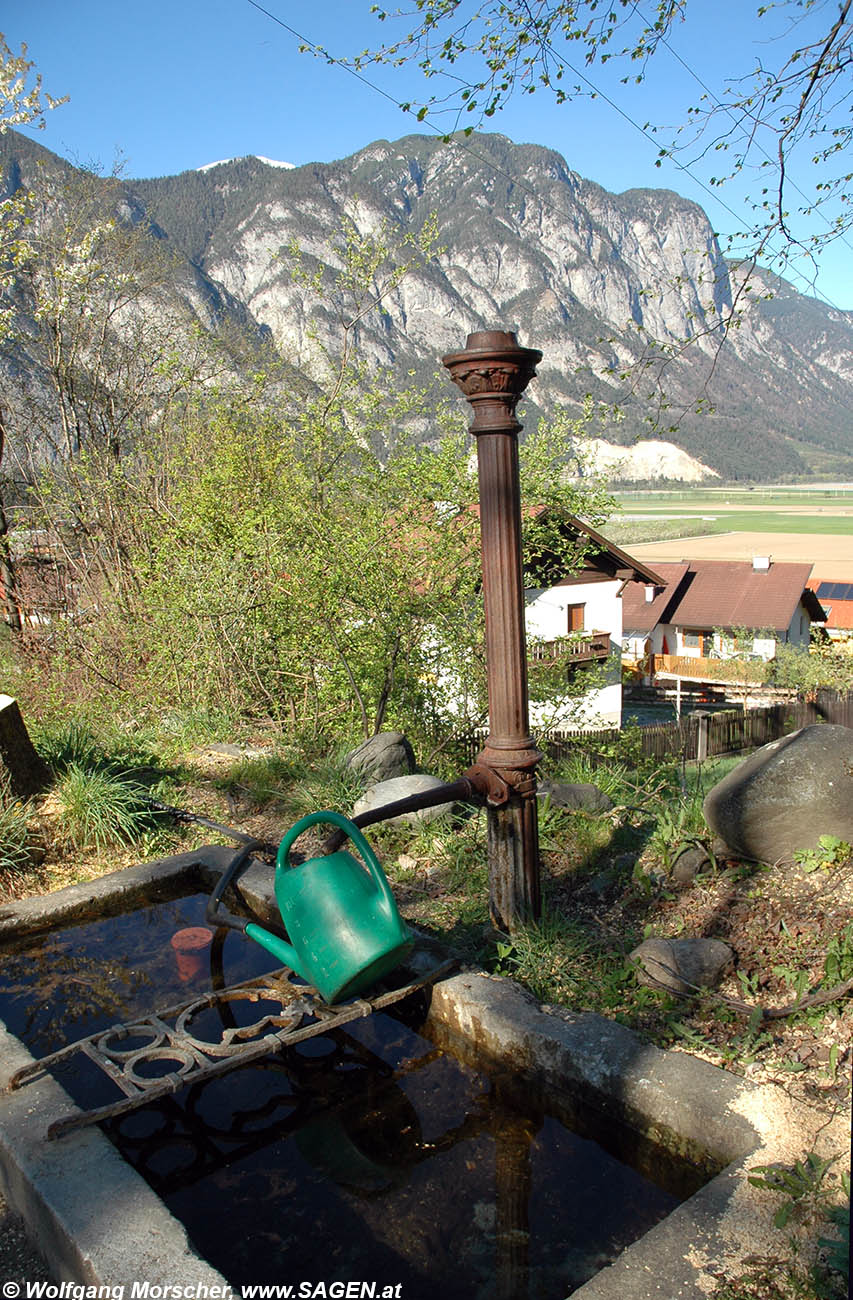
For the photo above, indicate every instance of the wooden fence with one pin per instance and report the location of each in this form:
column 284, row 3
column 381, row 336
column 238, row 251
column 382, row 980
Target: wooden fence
column 727, row 732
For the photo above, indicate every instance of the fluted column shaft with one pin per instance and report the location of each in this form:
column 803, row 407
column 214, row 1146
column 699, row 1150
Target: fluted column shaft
column 492, row 372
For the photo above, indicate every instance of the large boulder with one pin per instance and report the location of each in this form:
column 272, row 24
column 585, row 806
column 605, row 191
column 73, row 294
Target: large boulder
column 381, row 758
column 400, row 788
column 786, row 795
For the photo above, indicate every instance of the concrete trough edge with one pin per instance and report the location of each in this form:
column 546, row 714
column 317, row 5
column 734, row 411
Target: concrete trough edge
column 96, row 1221
column 691, row 1107
column 91, row 1216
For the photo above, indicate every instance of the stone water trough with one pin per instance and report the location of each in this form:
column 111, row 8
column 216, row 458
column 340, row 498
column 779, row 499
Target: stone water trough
column 97, row 1222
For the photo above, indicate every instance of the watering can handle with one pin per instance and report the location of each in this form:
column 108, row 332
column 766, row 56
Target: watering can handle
column 351, row 830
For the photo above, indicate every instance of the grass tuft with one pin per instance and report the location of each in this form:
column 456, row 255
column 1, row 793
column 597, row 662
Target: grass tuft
column 98, row 807
column 15, row 843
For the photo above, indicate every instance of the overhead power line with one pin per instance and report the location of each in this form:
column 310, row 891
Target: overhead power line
column 321, row 52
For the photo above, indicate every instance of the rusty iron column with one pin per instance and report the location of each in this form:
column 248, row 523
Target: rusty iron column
column 493, row 372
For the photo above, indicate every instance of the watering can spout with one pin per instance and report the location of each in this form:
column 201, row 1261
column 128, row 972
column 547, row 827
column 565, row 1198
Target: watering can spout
column 340, row 915
column 280, row 948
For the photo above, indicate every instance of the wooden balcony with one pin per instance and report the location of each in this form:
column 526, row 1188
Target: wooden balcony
column 582, row 647
column 731, row 672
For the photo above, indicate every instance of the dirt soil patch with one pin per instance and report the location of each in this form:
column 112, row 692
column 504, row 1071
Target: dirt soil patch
column 831, row 555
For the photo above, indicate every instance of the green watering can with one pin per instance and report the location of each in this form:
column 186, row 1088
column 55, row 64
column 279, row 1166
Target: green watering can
column 344, row 927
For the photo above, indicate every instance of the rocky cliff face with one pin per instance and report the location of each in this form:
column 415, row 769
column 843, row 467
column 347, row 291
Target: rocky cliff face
column 610, row 287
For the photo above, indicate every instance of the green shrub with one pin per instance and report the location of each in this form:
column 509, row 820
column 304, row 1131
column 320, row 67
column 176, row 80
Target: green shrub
column 99, row 807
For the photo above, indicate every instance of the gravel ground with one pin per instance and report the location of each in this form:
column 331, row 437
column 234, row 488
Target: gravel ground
column 19, row 1261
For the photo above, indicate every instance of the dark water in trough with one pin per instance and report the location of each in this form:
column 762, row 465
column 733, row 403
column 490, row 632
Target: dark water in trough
column 364, row 1154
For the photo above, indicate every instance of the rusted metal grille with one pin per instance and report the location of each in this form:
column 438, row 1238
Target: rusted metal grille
column 293, row 1012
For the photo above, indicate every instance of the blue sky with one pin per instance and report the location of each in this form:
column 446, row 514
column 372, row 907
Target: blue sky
column 171, row 86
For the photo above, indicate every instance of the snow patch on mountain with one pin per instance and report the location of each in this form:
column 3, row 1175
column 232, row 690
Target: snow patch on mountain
column 270, row 162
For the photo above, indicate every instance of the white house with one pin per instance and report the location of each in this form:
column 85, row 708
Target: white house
column 719, row 609
column 575, row 621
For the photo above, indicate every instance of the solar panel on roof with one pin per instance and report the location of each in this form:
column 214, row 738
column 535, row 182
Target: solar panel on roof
column 835, row 591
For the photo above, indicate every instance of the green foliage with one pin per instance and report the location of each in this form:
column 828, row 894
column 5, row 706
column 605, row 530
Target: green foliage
column 308, row 561
column 15, row 843
column 837, row 1248
column 617, row 778
column 69, row 743
column 830, row 852
column 561, row 963
column 327, row 783
column 821, row 667
column 809, row 1191
column 838, row 964
column 679, row 824
column 801, row 1185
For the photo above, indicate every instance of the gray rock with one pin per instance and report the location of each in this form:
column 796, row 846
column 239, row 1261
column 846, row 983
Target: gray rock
column 786, row 795
column 381, row 758
column 624, row 862
column 688, row 864
column 682, row 965
column 585, row 796
column 400, row 787
column 601, row 884
column 721, row 850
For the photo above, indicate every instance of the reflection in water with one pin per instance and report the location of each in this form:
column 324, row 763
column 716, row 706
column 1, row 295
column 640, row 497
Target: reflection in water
column 369, row 1153
column 363, row 1154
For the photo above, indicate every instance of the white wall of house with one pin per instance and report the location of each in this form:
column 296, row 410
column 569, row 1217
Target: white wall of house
column 546, row 611
column 800, row 628
column 729, row 647
column 724, row 647
column 599, row 709
column 546, row 618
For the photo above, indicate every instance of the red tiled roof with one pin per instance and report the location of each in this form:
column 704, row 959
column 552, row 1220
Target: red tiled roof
column 839, row 612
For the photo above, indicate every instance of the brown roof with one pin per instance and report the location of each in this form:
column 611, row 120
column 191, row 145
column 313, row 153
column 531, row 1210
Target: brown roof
column 731, row 593
column 641, row 615
column 604, row 555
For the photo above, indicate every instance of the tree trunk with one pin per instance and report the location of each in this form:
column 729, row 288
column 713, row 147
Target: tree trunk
column 27, row 772
column 8, row 576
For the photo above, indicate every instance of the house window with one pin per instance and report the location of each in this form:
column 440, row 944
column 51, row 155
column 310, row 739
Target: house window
column 574, row 615
column 697, row 641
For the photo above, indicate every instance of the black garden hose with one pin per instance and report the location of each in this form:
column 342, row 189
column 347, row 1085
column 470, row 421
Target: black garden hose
column 182, row 815
column 238, row 864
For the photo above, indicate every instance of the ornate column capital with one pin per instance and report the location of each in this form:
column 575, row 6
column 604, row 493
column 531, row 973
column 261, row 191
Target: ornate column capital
column 493, row 372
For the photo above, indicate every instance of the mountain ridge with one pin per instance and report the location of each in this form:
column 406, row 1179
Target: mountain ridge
column 606, row 285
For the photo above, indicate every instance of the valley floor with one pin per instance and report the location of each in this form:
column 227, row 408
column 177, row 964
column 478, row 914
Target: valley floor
column 831, row 556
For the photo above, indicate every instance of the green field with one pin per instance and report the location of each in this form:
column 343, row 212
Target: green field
column 692, row 512
column 702, row 498
column 744, row 521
